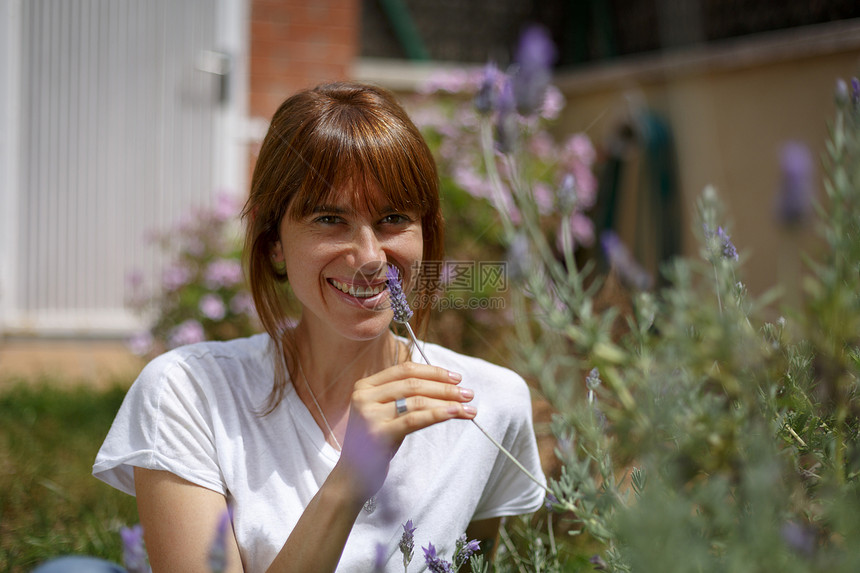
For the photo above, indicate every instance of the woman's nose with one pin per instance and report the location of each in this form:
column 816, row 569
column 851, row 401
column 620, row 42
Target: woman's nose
column 367, row 249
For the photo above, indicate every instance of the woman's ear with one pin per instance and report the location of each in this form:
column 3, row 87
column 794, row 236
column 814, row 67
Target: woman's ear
column 279, row 264
column 277, row 252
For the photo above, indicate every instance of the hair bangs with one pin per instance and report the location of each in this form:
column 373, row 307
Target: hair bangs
column 355, row 152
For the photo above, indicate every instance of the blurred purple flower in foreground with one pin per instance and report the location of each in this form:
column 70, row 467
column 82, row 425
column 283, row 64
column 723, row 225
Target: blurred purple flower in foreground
column 534, row 58
column 799, row 538
column 133, row 552
column 218, row 550
column 379, row 559
column 797, row 184
column 620, row 259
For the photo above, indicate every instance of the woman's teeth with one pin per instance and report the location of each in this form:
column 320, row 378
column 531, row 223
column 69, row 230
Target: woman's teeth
column 357, row 291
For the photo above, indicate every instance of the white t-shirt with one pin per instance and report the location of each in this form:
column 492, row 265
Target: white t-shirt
column 195, row 412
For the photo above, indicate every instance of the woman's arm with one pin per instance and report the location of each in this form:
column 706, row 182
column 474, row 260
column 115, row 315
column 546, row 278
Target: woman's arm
column 179, row 521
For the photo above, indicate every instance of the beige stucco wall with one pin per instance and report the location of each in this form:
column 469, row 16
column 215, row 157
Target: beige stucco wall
column 731, row 108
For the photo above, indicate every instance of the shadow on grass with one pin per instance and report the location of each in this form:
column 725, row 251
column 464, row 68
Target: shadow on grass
column 50, row 504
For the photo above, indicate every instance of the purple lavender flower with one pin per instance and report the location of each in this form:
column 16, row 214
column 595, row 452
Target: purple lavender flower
column 796, row 188
column 550, row 501
column 728, row 248
column 407, row 543
column 218, row 550
column 620, row 259
column 212, row 307
column 506, row 121
column 464, row 549
column 434, row 563
column 396, row 296
column 721, row 243
column 485, row 99
column 599, row 563
column 799, row 538
column 534, row 58
column 855, row 92
column 133, row 551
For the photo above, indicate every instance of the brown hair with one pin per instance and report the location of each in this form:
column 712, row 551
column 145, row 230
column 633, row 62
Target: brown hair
column 319, row 141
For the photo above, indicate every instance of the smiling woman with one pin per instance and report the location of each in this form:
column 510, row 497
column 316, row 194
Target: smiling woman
column 324, row 436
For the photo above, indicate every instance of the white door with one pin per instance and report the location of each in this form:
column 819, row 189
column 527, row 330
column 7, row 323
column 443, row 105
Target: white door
column 119, row 116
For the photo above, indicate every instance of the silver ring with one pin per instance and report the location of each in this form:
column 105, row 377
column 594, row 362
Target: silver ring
column 400, row 406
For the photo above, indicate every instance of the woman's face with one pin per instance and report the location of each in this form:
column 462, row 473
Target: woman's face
column 336, row 260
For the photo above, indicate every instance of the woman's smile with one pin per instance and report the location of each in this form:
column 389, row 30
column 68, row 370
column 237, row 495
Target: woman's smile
column 357, row 291
column 362, row 294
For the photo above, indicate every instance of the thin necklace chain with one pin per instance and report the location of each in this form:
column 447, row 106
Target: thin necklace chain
column 319, row 409
column 317, row 404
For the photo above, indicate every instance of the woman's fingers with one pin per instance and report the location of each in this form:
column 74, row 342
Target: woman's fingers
column 397, row 405
column 407, row 370
column 410, row 379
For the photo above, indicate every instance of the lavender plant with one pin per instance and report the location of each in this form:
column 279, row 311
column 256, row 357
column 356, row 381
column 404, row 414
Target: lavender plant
column 133, row 550
column 694, row 434
column 451, row 110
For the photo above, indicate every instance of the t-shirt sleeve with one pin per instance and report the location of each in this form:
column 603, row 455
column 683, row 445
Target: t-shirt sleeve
column 510, row 491
column 164, row 423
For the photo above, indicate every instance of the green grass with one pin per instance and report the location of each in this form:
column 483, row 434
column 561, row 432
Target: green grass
column 50, row 504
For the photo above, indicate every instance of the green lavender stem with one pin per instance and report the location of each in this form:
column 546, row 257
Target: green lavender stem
column 489, row 437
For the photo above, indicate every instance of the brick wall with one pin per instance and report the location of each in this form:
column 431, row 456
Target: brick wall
column 297, row 44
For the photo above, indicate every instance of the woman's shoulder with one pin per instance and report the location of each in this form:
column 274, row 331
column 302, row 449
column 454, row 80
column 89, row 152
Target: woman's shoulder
column 240, row 357
column 239, row 349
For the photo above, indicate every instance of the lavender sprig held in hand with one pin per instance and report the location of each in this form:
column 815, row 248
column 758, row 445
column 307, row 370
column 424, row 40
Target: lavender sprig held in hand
column 400, row 306
column 402, row 314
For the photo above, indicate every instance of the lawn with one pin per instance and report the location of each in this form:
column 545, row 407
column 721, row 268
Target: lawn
column 50, row 504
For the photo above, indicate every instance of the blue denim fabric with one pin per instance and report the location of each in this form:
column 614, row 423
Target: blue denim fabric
column 76, row 564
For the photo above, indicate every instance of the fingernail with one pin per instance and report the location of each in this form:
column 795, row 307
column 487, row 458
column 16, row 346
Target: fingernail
column 455, row 376
column 471, row 410
column 466, row 393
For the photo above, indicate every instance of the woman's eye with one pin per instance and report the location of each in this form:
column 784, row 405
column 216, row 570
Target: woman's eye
column 395, row 219
column 327, row 219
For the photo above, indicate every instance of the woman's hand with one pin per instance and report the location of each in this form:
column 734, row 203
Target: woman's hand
column 375, row 430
